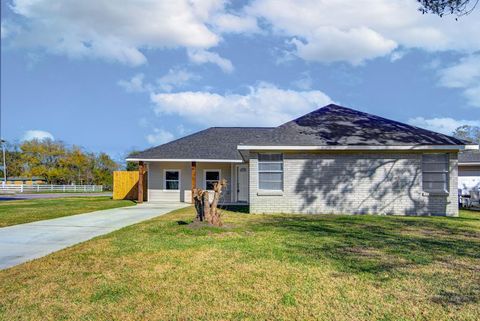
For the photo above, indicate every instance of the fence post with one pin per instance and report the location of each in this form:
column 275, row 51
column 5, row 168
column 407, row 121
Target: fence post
column 38, row 188
column 21, row 188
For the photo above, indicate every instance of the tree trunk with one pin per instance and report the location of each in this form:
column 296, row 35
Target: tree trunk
column 199, row 206
column 214, row 213
column 205, row 210
column 206, row 207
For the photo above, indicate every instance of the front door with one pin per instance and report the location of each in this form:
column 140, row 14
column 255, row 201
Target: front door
column 242, row 183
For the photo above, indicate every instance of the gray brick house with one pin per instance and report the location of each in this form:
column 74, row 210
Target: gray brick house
column 332, row 160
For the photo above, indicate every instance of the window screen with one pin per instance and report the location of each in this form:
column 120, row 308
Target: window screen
column 172, row 180
column 435, row 172
column 211, row 177
column 270, row 171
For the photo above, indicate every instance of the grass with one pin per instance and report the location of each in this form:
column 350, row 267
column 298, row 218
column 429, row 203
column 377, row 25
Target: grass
column 25, row 211
column 258, row 267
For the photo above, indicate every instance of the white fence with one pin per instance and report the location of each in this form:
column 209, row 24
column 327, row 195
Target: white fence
column 26, row 188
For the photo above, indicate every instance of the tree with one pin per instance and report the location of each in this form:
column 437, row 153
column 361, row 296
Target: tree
column 59, row 163
column 103, row 172
column 469, row 133
column 132, row 166
column 443, row 7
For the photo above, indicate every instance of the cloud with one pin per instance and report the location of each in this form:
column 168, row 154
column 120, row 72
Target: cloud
column 117, row 32
column 465, row 74
column 442, row 125
column 356, row 31
column 229, row 23
column 37, row 134
column 175, row 78
column 4, row 30
column 135, row 84
column 159, row 136
column 203, row 56
column 263, row 105
column 329, row 44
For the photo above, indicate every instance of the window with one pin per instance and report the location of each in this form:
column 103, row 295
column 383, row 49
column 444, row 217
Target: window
column 435, row 173
column 270, row 172
column 172, row 180
column 212, row 176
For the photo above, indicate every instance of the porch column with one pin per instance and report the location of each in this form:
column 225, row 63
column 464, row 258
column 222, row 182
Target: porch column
column 194, row 177
column 140, row 181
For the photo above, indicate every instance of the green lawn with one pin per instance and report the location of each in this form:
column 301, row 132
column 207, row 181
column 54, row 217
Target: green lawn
column 24, row 211
column 258, row 267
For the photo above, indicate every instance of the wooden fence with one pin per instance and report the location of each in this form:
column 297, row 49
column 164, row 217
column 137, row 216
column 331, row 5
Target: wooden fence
column 29, row 188
column 125, row 185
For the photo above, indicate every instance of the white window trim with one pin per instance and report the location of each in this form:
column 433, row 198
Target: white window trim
column 205, row 176
column 165, row 180
column 271, row 191
column 447, row 175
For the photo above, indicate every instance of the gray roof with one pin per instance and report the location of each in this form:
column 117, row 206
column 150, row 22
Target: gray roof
column 335, row 125
column 469, row 156
column 211, row 143
column 329, row 125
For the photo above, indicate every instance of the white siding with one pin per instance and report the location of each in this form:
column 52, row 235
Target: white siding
column 156, row 191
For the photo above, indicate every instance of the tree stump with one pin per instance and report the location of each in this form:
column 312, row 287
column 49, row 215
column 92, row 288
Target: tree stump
column 205, row 210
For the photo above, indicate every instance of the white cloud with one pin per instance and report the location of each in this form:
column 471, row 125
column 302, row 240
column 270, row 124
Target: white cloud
column 135, row 84
column 117, row 31
column 264, row 105
column 175, row 78
column 37, row 134
column 229, row 23
column 442, row 125
column 356, row 31
column 159, row 136
column 329, row 44
column 465, row 75
column 203, row 56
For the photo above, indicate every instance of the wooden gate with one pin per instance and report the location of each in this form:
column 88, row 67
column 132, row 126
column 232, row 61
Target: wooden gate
column 125, row 185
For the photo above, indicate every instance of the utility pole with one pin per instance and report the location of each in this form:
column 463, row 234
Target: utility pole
column 4, row 162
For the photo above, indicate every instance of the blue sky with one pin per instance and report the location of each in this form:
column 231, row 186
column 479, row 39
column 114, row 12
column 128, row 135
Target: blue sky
column 114, row 78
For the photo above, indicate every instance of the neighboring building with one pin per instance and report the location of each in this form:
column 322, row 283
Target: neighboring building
column 469, row 171
column 332, row 160
column 26, row 180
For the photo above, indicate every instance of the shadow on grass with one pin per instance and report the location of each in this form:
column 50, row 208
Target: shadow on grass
column 377, row 244
column 385, row 247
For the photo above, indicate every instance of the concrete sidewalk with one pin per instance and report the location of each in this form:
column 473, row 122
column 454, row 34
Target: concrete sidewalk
column 24, row 242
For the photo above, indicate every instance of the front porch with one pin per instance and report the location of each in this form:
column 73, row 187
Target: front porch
column 172, row 180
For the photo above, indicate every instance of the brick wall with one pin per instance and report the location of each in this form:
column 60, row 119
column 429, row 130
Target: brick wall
column 353, row 183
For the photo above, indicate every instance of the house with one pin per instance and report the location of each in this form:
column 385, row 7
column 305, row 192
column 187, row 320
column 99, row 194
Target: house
column 332, row 160
column 469, row 171
column 34, row 180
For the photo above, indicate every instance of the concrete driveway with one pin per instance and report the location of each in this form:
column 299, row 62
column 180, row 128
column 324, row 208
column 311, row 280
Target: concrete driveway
column 24, row 242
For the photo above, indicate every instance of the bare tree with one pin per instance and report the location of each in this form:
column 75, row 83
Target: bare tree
column 447, row 7
column 207, row 211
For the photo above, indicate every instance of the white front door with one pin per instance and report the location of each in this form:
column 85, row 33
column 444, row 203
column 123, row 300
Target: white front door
column 242, row 183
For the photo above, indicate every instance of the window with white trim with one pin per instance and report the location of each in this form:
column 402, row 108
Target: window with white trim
column 270, row 172
column 435, row 172
column 212, row 176
column 172, row 180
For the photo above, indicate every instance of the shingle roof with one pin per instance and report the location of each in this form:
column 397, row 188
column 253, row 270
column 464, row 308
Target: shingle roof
column 469, row 156
column 329, row 125
column 211, row 143
column 337, row 125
